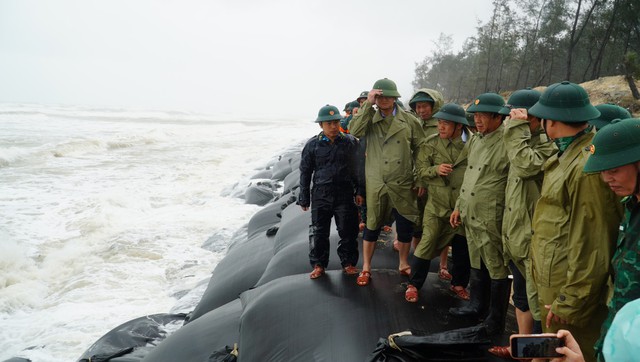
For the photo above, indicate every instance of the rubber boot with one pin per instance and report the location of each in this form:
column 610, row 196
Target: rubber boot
column 478, row 288
column 499, row 302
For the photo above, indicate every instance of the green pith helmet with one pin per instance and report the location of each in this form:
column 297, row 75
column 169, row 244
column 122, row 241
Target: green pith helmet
column 354, row 104
column 328, row 113
column 609, row 112
column 363, row 94
column 388, row 87
column 452, row 112
column 523, row 98
column 420, row 97
column 488, row 102
column 565, row 102
column 347, row 107
column 616, row 145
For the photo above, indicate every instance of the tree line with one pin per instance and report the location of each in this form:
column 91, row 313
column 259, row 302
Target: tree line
column 528, row 43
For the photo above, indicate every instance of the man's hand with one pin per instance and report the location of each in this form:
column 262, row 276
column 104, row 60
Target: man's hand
column 445, row 169
column 371, row 98
column 553, row 317
column 518, row 113
column 454, row 219
column 571, row 351
column 359, row 200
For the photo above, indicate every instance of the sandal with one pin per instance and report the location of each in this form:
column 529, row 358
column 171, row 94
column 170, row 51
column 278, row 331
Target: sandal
column 500, row 351
column 460, row 292
column 406, row 271
column 387, row 229
column 411, row 295
column 363, row 278
column 317, row 272
column 350, row 269
column 444, row 274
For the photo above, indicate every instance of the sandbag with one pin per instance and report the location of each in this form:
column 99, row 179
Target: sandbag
column 281, row 169
column 292, row 181
column 260, row 192
column 125, row 338
column 332, row 318
column 262, row 174
column 294, row 227
column 201, row 338
column 238, row 271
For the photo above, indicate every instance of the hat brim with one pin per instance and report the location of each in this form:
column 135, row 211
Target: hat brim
column 451, row 117
column 597, row 163
column 565, row 115
column 474, row 108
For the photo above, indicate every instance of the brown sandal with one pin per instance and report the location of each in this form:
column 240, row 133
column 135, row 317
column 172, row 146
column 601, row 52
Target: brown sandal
column 500, row 351
column 411, row 295
column 317, row 272
column 406, row 271
column 363, row 278
column 460, row 292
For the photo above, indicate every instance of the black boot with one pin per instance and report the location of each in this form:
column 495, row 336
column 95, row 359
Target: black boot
column 500, row 290
column 478, row 288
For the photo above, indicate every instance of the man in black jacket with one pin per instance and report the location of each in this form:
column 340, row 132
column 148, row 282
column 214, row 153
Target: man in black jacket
column 330, row 158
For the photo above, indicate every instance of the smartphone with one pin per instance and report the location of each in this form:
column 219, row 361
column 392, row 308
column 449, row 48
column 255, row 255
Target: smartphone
column 535, row 345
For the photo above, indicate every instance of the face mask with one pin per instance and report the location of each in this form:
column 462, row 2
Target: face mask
column 563, row 142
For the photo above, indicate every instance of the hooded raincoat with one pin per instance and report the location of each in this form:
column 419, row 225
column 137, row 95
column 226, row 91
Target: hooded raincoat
column 391, row 149
column 430, row 126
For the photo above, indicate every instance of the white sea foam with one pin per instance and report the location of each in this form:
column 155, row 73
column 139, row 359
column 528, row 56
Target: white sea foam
column 104, row 213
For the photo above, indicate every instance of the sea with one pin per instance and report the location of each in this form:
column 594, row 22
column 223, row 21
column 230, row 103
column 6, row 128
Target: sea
column 105, row 213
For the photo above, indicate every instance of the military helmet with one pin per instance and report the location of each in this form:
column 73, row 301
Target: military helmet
column 388, row 87
column 565, row 102
column 488, row 102
column 354, row 104
column 420, row 97
column 615, row 145
column 363, row 94
column 609, row 112
column 328, row 113
column 452, row 112
column 347, row 107
column 523, row 98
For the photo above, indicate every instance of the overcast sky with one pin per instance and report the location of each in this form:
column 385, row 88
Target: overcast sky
column 276, row 57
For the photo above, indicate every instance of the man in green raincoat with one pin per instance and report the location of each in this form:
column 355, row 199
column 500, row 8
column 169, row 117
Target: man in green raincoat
column 425, row 103
column 575, row 222
column 393, row 138
column 480, row 208
column 615, row 154
column 441, row 164
column 528, row 148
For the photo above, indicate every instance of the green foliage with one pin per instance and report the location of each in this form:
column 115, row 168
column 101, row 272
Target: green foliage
column 527, row 43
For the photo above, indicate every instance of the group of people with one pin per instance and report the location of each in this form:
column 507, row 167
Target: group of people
column 522, row 188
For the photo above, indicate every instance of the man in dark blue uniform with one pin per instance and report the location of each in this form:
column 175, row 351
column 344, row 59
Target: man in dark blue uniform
column 330, row 159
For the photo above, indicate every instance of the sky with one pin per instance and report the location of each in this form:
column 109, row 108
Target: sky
column 242, row 57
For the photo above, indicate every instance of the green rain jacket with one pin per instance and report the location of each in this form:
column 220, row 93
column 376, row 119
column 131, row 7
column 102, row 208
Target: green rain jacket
column 430, row 126
column 527, row 153
column 443, row 191
column 392, row 147
column 575, row 225
column 481, row 201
